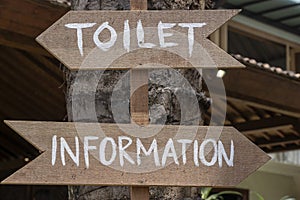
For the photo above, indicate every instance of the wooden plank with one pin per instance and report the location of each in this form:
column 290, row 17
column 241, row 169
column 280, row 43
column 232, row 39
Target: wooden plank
column 82, row 47
column 265, row 124
column 208, row 154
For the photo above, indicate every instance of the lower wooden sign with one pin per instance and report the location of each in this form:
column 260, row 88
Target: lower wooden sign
column 111, row 154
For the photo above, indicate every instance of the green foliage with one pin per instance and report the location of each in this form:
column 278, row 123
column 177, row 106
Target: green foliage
column 205, row 194
column 287, row 198
column 258, row 196
column 283, row 198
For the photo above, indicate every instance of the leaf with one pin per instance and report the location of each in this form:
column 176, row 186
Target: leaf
column 219, row 195
column 205, row 192
column 258, row 196
column 230, row 192
column 287, row 198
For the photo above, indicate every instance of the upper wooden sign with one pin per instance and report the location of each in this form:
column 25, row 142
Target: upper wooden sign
column 142, row 39
column 103, row 154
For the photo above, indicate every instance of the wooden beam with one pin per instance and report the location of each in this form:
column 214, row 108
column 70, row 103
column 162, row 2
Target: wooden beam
column 224, row 37
column 11, row 147
column 12, row 164
column 275, row 141
column 11, row 81
column 261, row 131
column 279, row 148
column 30, row 18
column 265, row 107
column 255, row 33
column 293, row 60
column 288, row 57
column 264, row 88
column 215, row 37
column 266, row 124
column 22, row 42
column 35, row 75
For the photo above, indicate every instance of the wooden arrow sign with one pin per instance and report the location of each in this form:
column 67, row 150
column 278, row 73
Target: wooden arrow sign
column 110, row 154
column 141, row 39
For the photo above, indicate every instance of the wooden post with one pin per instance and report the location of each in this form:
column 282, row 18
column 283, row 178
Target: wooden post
column 293, row 60
column 288, row 57
column 224, row 37
column 138, row 4
column 215, row 37
column 139, row 102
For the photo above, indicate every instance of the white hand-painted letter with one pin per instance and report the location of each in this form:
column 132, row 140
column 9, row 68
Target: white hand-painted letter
column 202, row 152
column 141, row 36
column 64, row 146
column 122, row 153
column 169, row 151
column 87, row 147
column 184, row 142
column 126, row 36
column 54, row 149
column 102, row 151
column 79, row 27
column 191, row 35
column 161, row 35
column 153, row 147
column 113, row 37
column 222, row 154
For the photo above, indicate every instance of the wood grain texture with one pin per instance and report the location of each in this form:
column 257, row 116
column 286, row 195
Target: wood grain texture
column 138, row 5
column 139, row 193
column 62, row 42
column 32, row 19
column 139, row 102
column 252, row 87
column 139, row 96
column 248, row 157
column 18, row 41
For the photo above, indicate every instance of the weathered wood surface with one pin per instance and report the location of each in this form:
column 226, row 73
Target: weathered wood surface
column 247, row 156
column 76, row 51
column 139, row 193
column 138, row 4
column 139, row 102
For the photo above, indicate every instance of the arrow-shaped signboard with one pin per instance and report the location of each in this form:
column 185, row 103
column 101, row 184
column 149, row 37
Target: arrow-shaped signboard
column 144, row 39
column 111, row 154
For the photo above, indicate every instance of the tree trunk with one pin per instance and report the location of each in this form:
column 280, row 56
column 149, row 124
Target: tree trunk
column 164, row 105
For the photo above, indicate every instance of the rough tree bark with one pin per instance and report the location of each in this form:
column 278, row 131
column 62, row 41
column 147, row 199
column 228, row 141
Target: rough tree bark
column 164, row 107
